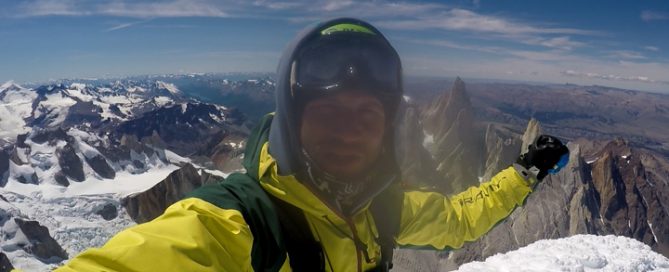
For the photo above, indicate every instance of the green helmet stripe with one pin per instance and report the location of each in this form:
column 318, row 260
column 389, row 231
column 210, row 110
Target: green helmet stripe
column 347, row 28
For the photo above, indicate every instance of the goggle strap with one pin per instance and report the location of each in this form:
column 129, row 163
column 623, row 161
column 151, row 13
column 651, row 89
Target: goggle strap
column 293, row 78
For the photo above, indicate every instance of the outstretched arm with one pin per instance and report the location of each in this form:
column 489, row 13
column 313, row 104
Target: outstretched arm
column 432, row 220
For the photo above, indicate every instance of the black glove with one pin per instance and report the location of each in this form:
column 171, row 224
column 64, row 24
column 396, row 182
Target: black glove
column 546, row 155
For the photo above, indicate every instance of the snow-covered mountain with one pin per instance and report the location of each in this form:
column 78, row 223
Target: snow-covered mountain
column 80, row 105
column 70, row 153
column 62, row 134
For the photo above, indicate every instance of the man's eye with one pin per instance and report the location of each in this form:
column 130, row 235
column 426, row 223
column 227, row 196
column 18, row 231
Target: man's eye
column 371, row 114
column 325, row 110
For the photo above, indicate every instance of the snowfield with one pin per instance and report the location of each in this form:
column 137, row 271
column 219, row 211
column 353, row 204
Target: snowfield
column 579, row 253
column 70, row 213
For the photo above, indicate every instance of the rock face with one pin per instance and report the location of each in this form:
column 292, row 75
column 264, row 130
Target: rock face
column 187, row 129
column 101, row 166
column 41, row 244
column 151, row 203
column 614, row 194
column 5, row 265
column 71, row 165
column 458, row 144
column 417, row 165
column 502, row 148
column 632, row 201
column 533, row 130
column 108, row 211
column 4, row 166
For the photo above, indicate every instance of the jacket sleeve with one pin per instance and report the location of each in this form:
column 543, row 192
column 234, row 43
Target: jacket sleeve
column 192, row 235
column 432, row 220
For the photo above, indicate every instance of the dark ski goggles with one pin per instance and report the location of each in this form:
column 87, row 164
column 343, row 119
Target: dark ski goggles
column 353, row 60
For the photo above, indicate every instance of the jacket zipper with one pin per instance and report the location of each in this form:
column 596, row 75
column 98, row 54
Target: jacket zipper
column 350, row 225
column 356, row 240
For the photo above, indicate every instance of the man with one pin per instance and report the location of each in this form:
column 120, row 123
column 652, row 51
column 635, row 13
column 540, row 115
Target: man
column 321, row 188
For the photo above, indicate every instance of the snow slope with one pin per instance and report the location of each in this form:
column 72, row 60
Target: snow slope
column 70, row 212
column 579, row 253
column 15, row 106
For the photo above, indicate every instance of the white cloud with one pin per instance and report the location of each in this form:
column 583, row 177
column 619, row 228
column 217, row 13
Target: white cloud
column 465, row 20
column 135, row 9
column 50, row 7
column 455, row 45
column 626, row 54
column 541, row 66
column 650, row 15
column 549, row 55
column 277, row 5
column 643, row 79
column 562, row 42
column 125, row 25
column 176, row 8
column 651, row 48
column 337, row 5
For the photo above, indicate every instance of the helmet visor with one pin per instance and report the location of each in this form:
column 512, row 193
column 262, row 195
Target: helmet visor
column 350, row 61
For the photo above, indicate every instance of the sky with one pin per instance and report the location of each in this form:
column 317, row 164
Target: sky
column 621, row 44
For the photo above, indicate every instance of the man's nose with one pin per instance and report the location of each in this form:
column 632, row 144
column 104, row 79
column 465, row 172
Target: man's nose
column 347, row 126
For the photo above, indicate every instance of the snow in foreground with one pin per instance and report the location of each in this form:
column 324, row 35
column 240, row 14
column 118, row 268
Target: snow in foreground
column 576, row 253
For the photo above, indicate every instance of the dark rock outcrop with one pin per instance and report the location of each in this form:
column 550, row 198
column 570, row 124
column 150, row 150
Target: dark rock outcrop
column 62, row 179
column 4, row 166
column 100, row 166
column 70, row 163
column 42, row 245
column 107, row 211
column 147, row 205
column 5, row 265
column 18, row 157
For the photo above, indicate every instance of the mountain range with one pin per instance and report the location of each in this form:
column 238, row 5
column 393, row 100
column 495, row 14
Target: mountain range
column 120, row 151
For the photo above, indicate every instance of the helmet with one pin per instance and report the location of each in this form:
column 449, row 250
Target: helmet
column 347, row 55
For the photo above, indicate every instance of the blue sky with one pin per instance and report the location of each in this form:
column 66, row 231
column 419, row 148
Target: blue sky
column 614, row 43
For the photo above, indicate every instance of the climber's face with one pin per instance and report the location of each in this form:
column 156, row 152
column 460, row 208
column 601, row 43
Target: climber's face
column 343, row 132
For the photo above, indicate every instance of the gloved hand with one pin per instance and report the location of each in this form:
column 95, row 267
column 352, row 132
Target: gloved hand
column 546, row 155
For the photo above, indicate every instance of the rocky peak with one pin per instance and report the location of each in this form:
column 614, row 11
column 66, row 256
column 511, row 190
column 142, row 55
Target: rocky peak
column 458, row 144
column 147, row 205
column 444, row 111
column 502, row 147
column 415, row 161
column 533, row 130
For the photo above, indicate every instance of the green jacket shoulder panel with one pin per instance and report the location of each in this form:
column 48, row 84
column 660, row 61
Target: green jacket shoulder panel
column 259, row 135
column 243, row 193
